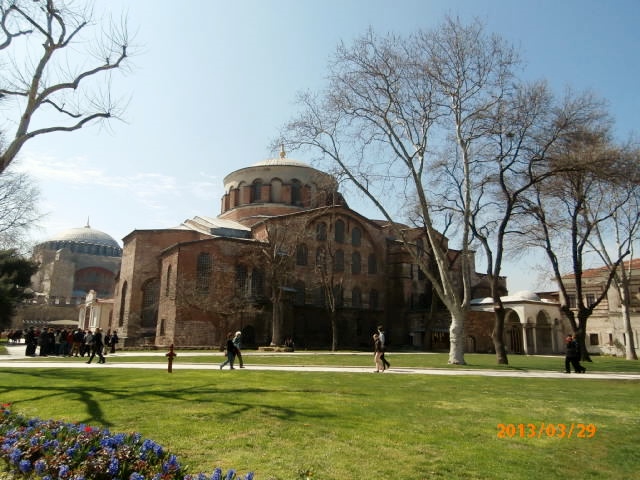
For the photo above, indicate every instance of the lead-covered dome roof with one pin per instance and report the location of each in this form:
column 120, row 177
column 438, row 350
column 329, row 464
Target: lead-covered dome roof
column 84, row 240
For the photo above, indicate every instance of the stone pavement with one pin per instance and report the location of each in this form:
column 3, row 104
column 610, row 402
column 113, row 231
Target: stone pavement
column 17, row 359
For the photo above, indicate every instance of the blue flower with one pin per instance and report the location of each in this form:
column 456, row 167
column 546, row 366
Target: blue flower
column 63, row 471
column 25, row 466
column 136, row 476
column 114, row 465
column 40, row 466
column 217, row 474
column 230, row 474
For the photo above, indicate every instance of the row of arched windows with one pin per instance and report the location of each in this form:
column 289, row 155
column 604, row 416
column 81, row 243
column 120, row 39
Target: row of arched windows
column 319, row 298
column 302, row 259
column 75, row 247
column 339, row 233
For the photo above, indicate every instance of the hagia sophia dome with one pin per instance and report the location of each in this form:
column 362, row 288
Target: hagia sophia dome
column 84, row 240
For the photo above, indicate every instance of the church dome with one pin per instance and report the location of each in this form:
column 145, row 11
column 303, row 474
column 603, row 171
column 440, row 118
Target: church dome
column 86, row 235
column 84, row 240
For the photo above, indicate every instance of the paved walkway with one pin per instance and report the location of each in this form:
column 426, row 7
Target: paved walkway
column 17, row 359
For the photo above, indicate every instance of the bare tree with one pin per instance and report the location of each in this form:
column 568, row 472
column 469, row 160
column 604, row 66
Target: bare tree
column 277, row 255
column 18, row 209
column 569, row 207
column 58, row 79
column 624, row 227
column 389, row 102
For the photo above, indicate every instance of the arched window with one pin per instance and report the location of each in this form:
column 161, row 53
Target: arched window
column 373, row 300
column 338, row 261
column 241, row 280
column 257, row 283
column 356, row 266
column 321, row 231
column 302, row 254
column 296, row 193
column 356, row 237
column 256, row 191
column 203, row 274
column 356, row 298
column 150, row 293
column 123, row 300
column 167, row 281
column 372, row 263
column 339, row 233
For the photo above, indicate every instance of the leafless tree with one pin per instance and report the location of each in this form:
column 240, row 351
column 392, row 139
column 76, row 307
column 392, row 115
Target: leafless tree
column 54, row 74
column 18, row 209
column 623, row 197
column 389, row 104
column 569, row 207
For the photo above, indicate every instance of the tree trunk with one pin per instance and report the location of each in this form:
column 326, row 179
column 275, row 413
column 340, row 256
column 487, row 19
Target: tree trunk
column 498, row 337
column 630, row 349
column 276, row 324
column 334, row 332
column 456, row 339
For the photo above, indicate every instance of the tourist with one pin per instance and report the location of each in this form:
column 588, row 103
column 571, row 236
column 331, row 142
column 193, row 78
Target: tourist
column 377, row 353
column 230, row 352
column 236, row 343
column 31, row 339
column 114, row 341
column 383, row 342
column 572, row 355
column 98, row 346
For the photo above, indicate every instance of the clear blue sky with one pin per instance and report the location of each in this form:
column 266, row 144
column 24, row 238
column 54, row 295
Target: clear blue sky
column 214, row 81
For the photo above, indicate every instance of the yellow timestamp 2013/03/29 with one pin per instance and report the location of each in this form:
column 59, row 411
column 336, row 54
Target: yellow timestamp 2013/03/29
column 550, row 430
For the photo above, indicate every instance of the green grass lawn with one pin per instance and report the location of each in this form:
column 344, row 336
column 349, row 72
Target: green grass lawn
column 350, row 425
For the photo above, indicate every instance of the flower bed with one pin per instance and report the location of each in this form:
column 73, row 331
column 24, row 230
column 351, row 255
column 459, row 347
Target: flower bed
column 53, row 450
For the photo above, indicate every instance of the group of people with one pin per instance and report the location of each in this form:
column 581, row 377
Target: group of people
column 379, row 342
column 232, row 351
column 70, row 343
column 572, row 355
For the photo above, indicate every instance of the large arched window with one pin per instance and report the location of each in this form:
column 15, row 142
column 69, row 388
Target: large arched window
column 257, row 283
column 356, row 237
column 339, row 233
column 203, row 274
column 296, row 193
column 302, row 254
column 321, row 231
column 256, row 191
column 356, row 266
column 372, row 263
column 150, row 294
column 241, row 280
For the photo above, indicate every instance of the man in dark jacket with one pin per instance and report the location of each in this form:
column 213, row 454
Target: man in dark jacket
column 97, row 346
column 572, row 355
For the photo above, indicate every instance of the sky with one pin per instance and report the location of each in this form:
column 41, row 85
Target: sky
column 213, row 82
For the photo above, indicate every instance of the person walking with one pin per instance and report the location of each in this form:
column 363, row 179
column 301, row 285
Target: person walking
column 97, row 346
column 377, row 353
column 114, row 341
column 237, row 343
column 230, row 351
column 572, row 355
column 383, row 339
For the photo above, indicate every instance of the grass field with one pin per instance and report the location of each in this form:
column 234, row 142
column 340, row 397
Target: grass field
column 356, row 426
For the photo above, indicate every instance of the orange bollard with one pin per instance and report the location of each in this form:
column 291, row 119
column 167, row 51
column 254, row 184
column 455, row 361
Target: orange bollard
column 170, row 356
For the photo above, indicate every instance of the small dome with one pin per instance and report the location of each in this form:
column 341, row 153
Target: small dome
column 86, row 235
column 524, row 295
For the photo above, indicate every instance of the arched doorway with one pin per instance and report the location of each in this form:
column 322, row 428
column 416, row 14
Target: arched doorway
column 513, row 332
column 544, row 343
